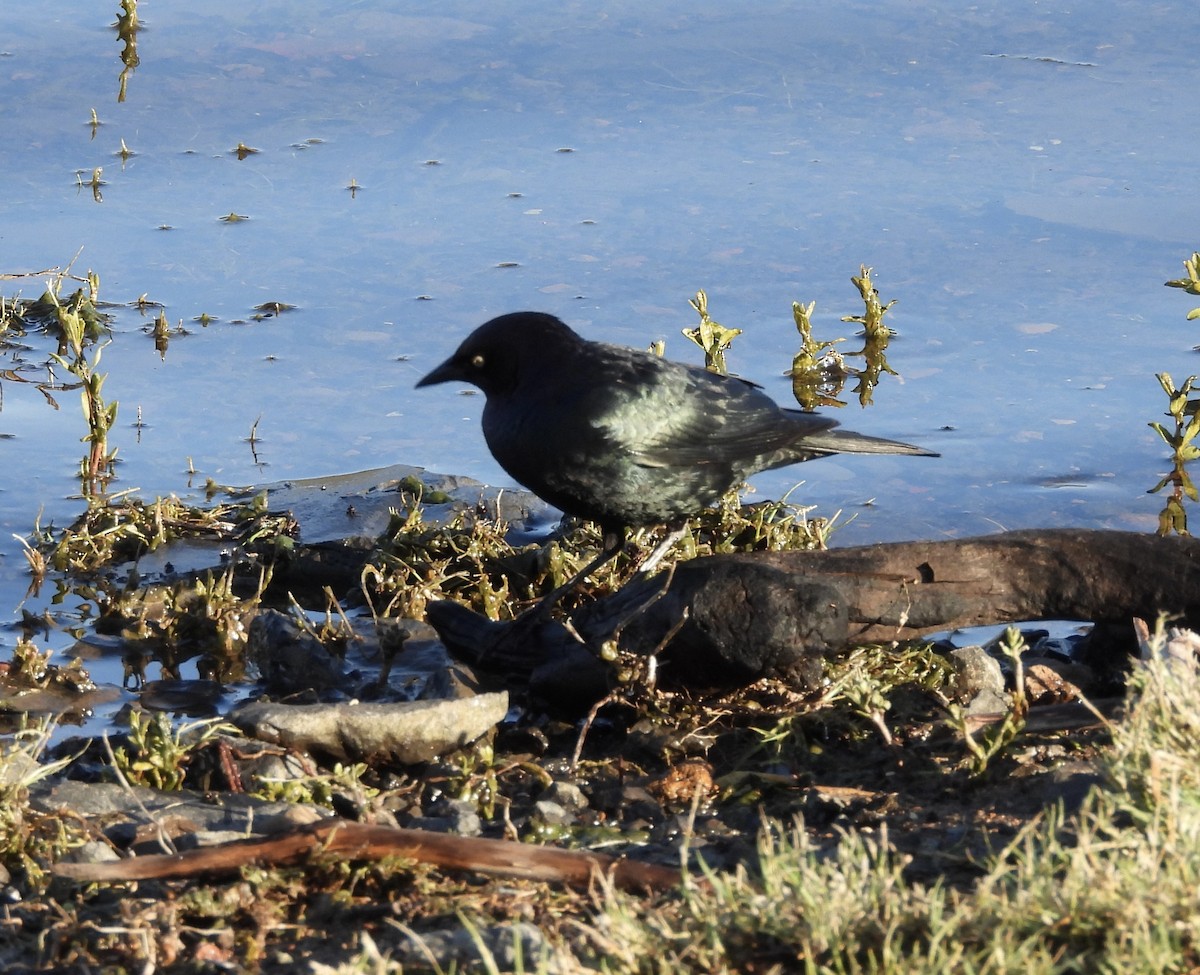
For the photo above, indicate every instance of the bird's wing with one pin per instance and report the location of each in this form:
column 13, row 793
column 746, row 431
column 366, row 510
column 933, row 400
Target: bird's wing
column 664, row 414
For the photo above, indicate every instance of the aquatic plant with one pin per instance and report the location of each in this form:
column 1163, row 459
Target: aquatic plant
column 713, row 337
column 1185, row 412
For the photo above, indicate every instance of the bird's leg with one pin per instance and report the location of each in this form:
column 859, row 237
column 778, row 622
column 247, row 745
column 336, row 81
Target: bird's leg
column 613, row 543
column 662, row 548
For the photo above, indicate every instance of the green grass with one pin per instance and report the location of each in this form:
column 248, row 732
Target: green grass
column 1113, row 888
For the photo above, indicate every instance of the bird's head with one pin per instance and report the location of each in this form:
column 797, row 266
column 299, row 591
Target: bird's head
column 497, row 354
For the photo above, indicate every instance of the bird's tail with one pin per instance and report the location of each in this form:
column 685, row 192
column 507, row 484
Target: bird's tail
column 837, row 440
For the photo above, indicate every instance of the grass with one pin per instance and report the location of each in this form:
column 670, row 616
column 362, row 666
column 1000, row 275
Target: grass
column 468, row 558
column 1111, row 888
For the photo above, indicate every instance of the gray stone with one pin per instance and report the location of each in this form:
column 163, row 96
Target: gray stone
column 404, row 732
column 551, row 813
column 117, row 804
column 980, row 681
column 566, row 794
column 93, row 851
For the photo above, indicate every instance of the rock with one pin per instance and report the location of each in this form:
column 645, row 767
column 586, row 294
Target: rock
column 1044, row 685
column 93, row 851
column 321, row 504
column 404, row 732
column 116, row 804
column 566, row 794
column 288, row 658
column 451, row 816
column 549, row 813
column 980, row 681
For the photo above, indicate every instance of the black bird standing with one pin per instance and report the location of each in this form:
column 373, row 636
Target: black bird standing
column 626, row 438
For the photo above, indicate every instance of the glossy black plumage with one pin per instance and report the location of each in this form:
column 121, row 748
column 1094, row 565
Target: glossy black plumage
column 624, row 437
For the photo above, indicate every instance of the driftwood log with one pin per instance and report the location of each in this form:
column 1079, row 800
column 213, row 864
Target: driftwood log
column 735, row 618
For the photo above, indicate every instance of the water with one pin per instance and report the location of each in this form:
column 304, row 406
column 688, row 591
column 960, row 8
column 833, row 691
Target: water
column 1020, row 176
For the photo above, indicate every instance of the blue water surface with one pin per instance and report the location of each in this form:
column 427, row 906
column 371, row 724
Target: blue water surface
column 1020, row 176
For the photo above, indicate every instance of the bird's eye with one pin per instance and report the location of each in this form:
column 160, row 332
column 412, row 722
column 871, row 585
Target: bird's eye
column 477, row 361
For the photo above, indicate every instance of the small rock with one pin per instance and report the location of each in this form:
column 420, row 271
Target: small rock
column 1044, row 686
column 566, row 794
column 287, row 658
column 638, row 803
column 463, row 817
column 1068, row 681
column 271, row 767
column 93, row 851
column 92, row 798
column 980, row 681
column 128, row 811
column 551, row 813
column 292, row 816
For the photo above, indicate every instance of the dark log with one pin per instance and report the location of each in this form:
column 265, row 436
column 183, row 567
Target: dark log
column 357, row 841
column 775, row 613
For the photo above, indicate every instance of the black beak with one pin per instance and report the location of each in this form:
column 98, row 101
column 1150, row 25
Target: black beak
column 448, row 371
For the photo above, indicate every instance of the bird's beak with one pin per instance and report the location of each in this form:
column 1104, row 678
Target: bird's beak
column 446, row 372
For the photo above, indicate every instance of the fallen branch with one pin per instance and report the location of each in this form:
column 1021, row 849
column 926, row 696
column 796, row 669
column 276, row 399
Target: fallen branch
column 356, row 841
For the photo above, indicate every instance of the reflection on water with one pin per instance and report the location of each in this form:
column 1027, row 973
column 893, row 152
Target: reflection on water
column 412, row 178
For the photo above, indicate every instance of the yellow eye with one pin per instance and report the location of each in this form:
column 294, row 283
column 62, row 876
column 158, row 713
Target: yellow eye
column 477, row 361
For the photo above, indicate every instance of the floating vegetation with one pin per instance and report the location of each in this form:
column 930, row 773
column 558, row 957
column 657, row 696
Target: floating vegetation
column 818, row 371
column 30, row 668
column 1190, row 284
column 876, row 337
column 161, row 332
column 81, row 333
column 1184, row 411
column 94, row 182
column 127, row 27
column 269, row 309
column 713, row 337
column 126, row 528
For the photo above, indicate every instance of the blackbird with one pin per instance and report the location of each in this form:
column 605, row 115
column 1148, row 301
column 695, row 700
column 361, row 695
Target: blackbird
column 626, row 438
